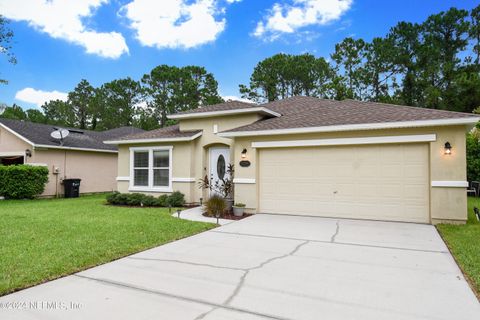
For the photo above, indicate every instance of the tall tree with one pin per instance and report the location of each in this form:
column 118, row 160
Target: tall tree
column 379, row 69
column 59, row 112
column 120, row 99
column 171, row 89
column 35, row 115
column 14, row 112
column 284, row 75
column 350, row 56
column 81, row 101
column 445, row 37
column 406, row 43
column 474, row 32
column 6, row 36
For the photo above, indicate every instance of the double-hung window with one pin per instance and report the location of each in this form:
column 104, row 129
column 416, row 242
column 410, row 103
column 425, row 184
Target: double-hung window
column 151, row 169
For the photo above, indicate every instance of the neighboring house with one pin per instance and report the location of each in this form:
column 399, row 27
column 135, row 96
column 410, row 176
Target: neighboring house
column 82, row 155
column 310, row 156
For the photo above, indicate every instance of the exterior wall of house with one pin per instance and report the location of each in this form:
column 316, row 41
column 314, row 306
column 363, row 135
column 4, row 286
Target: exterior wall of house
column 96, row 169
column 446, row 203
column 11, row 144
column 190, row 158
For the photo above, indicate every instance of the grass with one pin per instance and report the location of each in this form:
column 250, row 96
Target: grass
column 42, row 240
column 464, row 243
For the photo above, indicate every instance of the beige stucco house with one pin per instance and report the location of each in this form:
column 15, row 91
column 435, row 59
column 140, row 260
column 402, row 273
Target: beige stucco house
column 309, row 156
column 82, row 154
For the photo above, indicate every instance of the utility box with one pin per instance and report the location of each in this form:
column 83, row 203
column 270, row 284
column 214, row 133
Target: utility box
column 72, row 188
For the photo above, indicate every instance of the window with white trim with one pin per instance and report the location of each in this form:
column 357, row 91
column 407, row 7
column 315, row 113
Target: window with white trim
column 161, row 168
column 140, row 168
column 151, row 168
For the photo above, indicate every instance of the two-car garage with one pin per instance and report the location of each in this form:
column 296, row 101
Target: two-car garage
column 383, row 181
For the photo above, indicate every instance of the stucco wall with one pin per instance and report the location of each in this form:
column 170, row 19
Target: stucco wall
column 97, row 170
column 190, row 159
column 9, row 143
column 446, row 203
column 182, row 163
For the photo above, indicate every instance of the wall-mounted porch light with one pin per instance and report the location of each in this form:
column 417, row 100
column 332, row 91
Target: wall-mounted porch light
column 244, row 161
column 448, row 148
column 28, row 153
column 244, row 154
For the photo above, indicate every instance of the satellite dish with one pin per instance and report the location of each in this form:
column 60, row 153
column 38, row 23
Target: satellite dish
column 60, row 134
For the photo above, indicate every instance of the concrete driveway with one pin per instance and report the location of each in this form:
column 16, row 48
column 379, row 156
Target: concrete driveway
column 268, row 267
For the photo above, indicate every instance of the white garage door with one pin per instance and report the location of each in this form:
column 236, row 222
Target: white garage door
column 382, row 182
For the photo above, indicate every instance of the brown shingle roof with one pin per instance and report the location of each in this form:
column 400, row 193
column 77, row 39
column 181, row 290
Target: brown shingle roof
column 304, row 112
column 162, row 133
column 229, row 105
column 39, row 134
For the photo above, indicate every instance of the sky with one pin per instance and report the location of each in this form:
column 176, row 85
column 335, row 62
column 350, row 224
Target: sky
column 59, row 42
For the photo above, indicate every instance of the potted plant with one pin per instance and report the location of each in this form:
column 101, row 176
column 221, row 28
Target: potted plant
column 222, row 187
column 238, row 209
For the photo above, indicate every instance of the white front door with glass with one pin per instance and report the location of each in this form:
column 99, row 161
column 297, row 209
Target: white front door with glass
column 151, row 169
column 219, row 160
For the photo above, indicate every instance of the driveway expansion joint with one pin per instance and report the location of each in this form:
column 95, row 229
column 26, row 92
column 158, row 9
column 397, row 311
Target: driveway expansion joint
column 329, row 241
column 178, row 297
column 187, row 262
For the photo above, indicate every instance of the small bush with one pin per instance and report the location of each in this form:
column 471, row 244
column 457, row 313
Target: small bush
column 176, row 199
column 163, row 200
column 215, row 204
column 239, row 205
column 22, row 181
column 112, row 197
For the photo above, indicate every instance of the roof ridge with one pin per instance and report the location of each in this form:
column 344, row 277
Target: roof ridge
column 404, row 106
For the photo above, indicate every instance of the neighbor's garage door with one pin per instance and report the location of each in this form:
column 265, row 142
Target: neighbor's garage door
column 384, row 182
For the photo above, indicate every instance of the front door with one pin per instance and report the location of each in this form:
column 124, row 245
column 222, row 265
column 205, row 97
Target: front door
column 219, row 160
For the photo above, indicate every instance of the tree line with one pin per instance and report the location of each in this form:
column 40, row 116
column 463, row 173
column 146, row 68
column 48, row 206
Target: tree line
column 434, row 64
column 127, row 102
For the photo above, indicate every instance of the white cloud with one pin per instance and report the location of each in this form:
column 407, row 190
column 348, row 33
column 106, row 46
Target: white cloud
column 39, row 97
column 175, row 23
column 63, row 20
column 235, row 98
column 285, row 18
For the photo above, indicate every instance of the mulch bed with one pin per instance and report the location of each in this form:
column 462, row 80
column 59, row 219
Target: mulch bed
column 230, row 216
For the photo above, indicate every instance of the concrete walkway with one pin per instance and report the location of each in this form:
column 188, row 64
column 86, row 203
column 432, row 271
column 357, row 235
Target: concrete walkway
column 196, row 214
column 268, row 267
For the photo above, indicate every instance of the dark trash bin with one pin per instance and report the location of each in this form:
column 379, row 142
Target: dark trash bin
column 72, row 188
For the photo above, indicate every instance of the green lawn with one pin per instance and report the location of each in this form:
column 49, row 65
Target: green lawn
column 45, row 239
column 464, row 242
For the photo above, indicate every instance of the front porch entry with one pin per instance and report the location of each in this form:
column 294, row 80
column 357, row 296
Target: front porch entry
column 219, row 160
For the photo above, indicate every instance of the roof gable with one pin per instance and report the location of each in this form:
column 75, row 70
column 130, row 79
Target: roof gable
column 38, row 134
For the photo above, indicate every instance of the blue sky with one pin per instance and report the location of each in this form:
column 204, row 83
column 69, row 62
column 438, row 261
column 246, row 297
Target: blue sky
column 60, row 42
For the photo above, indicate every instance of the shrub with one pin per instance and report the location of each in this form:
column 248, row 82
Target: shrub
column 176, row 199
column 239, row 205
column 22, row 181
column 215, row 204
column 112, row 197
column 163, row 200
